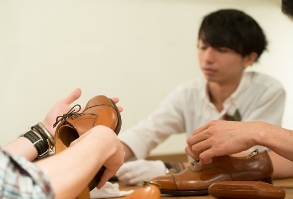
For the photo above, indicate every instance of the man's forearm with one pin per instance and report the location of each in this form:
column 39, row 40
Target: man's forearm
column 277, row 139
column 128, row 152
column 283, row 168
column 21, row 147
column 92, row 147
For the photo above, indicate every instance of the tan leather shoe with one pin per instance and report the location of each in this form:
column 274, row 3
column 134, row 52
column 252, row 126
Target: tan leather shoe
column 196, row 179
column 100, row 110
column 148, row 192
column 245, row 190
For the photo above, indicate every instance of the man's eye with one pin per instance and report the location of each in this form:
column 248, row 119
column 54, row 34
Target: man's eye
column 222, row 50
column 202, row 47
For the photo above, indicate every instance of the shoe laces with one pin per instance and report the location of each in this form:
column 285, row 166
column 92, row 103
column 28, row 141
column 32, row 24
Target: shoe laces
column 252, row 154
column 74, row 113
column 195, row 162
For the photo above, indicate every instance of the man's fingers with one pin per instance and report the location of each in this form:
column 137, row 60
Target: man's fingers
column 189, row 152
column 108, row 173
column 206, row 156
column 120, row 109
column 74, row 95
column 115, row 99
column 200, row 148
column 200, row 129
column 202, row 151
column 197, row 138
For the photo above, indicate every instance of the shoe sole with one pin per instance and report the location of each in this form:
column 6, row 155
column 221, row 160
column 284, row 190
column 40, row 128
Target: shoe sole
column 185, row 193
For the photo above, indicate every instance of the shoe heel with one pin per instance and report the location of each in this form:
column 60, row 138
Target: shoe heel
column 267, row 180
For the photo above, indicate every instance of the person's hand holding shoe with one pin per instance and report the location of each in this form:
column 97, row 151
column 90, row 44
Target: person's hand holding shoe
column 60, row 107
column 134, row 172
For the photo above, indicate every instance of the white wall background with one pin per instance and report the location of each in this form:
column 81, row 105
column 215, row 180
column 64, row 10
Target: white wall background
column 138, row 50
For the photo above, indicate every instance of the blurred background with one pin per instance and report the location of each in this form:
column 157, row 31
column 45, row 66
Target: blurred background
column 137, row 50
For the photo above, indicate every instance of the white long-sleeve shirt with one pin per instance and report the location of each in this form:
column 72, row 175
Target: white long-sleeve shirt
column 258, row 97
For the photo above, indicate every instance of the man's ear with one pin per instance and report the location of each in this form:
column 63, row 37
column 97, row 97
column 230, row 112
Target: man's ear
column 250, row 59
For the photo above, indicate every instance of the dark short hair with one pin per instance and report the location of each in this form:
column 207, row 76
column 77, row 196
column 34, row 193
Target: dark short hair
column 287, row 7
column 233, row 29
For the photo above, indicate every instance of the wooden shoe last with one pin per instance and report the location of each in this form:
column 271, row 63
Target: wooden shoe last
column 245, row 190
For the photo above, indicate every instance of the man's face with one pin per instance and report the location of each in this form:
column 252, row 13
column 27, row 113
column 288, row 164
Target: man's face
column 220, row 65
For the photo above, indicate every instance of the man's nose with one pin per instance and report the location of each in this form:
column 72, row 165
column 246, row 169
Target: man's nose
column 209, row 55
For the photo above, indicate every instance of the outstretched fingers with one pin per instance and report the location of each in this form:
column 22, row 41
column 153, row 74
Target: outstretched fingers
column 116, row 100
column 74, row 95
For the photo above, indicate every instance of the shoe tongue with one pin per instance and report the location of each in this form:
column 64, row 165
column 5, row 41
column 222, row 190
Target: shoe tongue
column 196, row 165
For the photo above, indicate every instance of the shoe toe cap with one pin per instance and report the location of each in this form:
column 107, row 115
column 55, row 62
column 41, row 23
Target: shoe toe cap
column 164, row 182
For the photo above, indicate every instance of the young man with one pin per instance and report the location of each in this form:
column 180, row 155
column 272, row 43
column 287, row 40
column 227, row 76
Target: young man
column 229, row 41
column 218, row 138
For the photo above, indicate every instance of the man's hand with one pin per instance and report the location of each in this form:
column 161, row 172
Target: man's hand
column 61, row 107
column 219, row 138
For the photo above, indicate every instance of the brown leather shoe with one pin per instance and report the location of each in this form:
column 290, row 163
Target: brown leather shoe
column 148, row 192
column 196, row 179
column 245, row 190
column 100, row 110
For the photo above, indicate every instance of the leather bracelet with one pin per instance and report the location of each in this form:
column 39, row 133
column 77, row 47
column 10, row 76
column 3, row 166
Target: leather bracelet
column 47, row 133
column 38, row 143
column 46, row 142
column 37, row 131
column 45, row 137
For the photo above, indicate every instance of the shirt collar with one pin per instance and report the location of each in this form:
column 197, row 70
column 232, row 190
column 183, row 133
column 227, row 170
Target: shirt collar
column 229, row 105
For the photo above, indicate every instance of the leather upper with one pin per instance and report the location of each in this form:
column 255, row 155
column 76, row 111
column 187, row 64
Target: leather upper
column 100, row 110
column 148, row 192
column 225, row 168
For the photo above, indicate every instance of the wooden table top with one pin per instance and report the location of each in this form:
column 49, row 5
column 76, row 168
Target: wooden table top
column 286, row 184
